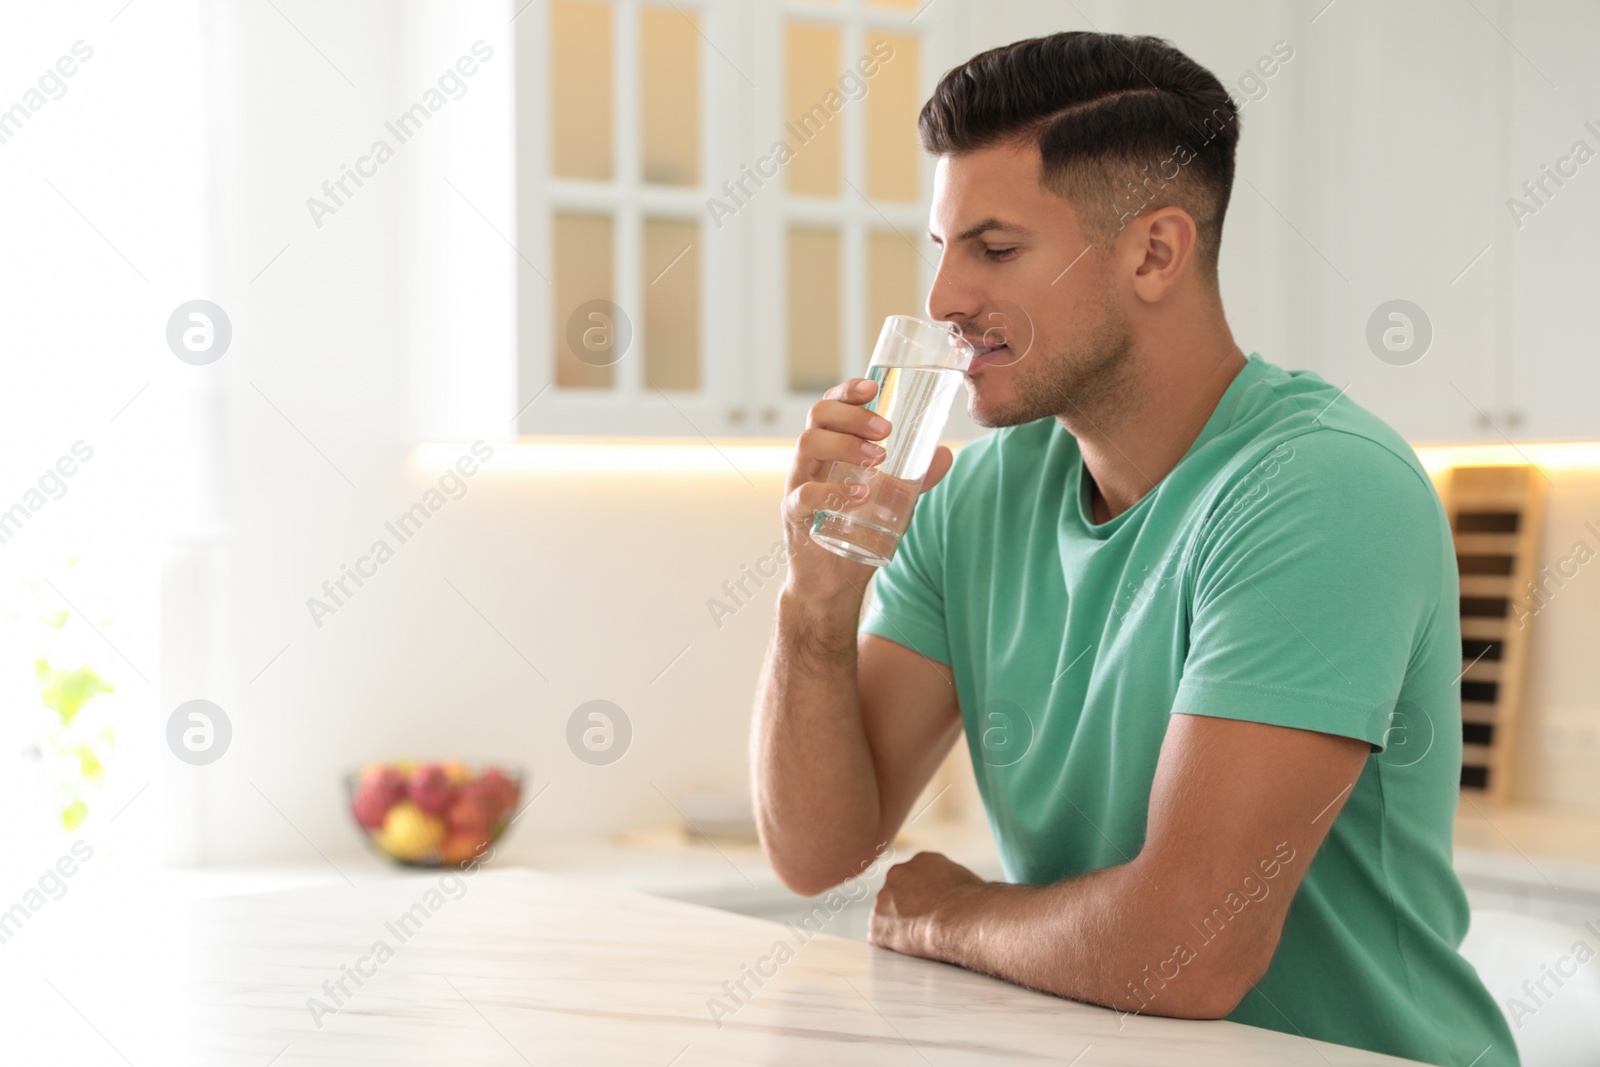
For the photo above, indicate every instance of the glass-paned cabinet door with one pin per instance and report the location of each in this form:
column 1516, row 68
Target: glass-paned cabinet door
column 626, row 288
column 718, row 203
column 672, row 351
column 849, row 208
column 813, row 310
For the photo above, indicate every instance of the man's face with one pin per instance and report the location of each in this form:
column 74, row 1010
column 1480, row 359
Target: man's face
column 1016, row 271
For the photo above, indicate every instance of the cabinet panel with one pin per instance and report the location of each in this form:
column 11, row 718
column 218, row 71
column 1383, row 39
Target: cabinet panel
column 585, row 341
column 894, row 286
column 1550, row 211
column 672, row 336
column 814, row 308
column 892, row 104
column 812, row 58
column 1403, row 173
column 669, row 95
column 581, row 77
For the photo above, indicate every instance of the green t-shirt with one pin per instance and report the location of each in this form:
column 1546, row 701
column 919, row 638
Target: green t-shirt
column 1295, row 568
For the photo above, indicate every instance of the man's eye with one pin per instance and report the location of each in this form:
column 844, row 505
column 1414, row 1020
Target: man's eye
column 999, row 253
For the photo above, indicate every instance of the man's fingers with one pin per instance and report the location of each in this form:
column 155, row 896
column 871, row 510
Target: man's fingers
column 812, row 497
column 847, row 418
column 837, row 428
column 820, row 444
column 852, row 390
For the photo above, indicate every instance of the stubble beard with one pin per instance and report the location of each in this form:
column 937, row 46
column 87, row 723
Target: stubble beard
column 1077, row 386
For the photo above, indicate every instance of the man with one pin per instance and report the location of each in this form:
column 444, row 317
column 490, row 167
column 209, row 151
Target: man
column 1195, row 615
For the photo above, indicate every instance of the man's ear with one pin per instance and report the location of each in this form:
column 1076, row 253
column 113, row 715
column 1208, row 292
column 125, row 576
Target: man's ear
column 1160, row 247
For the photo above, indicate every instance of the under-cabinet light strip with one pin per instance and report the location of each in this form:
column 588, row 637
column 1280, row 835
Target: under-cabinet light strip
column 733, row 457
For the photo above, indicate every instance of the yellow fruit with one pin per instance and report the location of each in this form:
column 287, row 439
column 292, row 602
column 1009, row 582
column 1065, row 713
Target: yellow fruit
column 456, row 771
column 409, row 833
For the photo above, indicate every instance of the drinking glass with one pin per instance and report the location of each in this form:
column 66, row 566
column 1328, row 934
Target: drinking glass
column 918, row 366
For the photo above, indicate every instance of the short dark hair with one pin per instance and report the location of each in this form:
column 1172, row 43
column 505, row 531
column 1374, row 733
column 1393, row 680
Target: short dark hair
column 1111, row 115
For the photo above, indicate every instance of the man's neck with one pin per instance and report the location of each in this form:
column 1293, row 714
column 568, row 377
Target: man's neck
column 1127, row 451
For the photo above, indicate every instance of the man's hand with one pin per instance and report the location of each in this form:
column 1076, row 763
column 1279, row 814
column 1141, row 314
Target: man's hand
column 1230, row 798
column 916, row 896
column 839, row 429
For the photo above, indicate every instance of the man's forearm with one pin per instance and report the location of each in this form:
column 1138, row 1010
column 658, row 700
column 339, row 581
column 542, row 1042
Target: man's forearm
column 816, row 788
column 1111, row 937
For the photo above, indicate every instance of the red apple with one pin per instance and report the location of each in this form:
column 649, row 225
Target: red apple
column 472, row 809
column 380, row 789
column 501, row 792
column 429, row 789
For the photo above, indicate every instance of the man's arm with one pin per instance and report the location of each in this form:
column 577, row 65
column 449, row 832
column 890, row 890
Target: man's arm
column 845, row 735
column 846, row 738
column 1237, row 811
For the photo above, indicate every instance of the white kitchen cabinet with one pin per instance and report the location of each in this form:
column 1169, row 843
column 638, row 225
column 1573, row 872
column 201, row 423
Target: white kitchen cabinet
column 1403, row 145
column 626, row 294
column 729, row 251
column 1553, row 370
column 1418, row 144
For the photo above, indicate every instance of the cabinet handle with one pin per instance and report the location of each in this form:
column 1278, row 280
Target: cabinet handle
column 769, row 415
column 736, row 414
column 1511, row 419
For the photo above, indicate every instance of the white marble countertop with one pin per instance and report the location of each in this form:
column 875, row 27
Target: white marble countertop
column 1547, row 851
column 662, row 861
column 1522, row 846
column 668, row 862
column 513, row 966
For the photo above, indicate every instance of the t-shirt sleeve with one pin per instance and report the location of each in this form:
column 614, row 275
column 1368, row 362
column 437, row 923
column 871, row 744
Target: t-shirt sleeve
column 1316, row 574
column 906, row 602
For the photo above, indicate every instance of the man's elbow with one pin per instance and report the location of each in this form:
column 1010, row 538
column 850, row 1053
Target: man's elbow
column 805, row 872
column 1208, row 989
column 1201, row 999
column 1221, row 990
column 1215, row 1001
column 801, row 880
column 810, row 881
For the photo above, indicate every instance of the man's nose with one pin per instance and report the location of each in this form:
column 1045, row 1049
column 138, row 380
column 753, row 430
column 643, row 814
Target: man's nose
column 952, row 299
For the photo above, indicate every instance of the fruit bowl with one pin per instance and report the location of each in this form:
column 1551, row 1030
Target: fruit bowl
column 433, row 814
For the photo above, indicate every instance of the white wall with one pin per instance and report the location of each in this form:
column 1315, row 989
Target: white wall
column 1559, row 738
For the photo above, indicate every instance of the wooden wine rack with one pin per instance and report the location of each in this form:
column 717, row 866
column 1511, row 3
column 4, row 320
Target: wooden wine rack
column 1496, row 514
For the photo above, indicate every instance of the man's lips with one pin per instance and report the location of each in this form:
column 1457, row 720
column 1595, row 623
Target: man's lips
column 983, row 356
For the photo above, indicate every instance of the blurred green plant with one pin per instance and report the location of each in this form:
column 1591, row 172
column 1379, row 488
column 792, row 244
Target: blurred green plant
column 67, row 692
